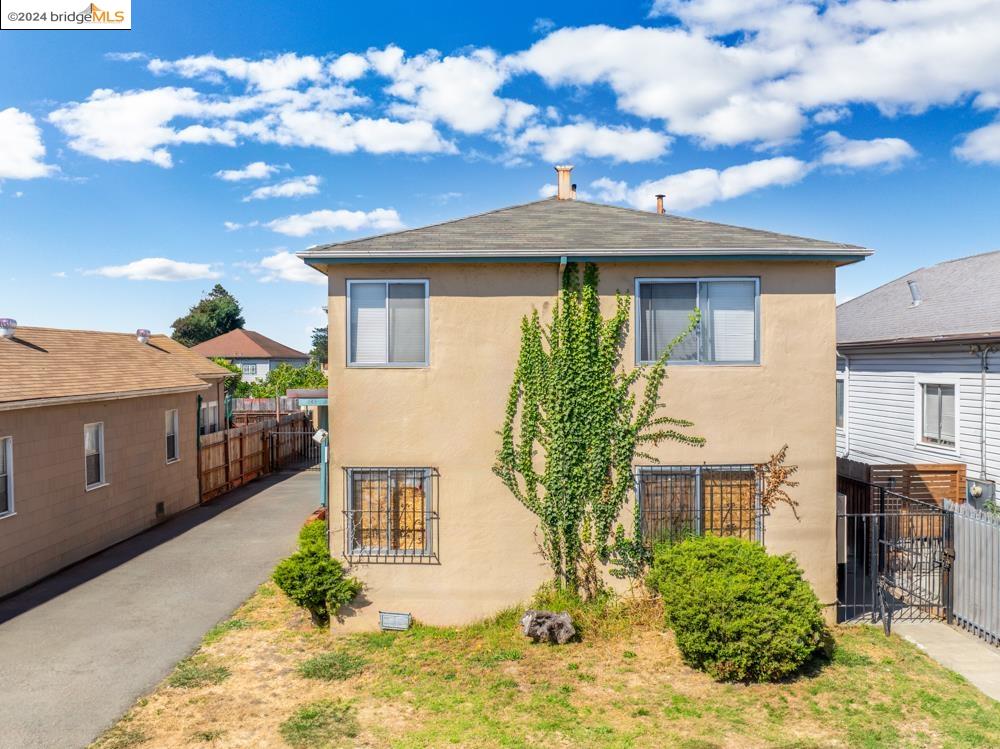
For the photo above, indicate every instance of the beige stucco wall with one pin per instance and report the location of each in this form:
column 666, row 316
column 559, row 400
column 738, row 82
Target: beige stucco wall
column 57, row 521
column 446, row 416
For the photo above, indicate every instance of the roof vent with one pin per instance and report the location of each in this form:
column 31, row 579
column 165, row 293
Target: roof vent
column 915, row 297
column 7, row 327
column 142, row 335
column 564, row 187
column 659, row 203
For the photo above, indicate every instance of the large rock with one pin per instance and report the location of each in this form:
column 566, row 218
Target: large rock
column 548, row 626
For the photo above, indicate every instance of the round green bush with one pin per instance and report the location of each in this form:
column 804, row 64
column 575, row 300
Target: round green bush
column 312, row 578
column 737, row 612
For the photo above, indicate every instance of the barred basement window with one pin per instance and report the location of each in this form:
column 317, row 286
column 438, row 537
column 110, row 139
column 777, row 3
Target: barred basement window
column 390, row 514
column 676, row 502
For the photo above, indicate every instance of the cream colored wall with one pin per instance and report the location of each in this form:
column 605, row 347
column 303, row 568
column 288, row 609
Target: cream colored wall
column 446, row 416
column 57, row 521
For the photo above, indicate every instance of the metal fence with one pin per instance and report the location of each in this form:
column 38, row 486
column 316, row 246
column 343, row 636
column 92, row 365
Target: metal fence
column 976, row 575
column 676, row 502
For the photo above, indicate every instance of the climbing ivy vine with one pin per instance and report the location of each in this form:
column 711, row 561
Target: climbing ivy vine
column 575, row 421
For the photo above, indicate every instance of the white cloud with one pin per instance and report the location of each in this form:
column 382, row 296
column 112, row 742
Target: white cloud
column 135, row 125
column 349, row 67
column 290, row 188
column 700, row 187
column 860, row 154
column 302, row 224
column 232, row 225
column 255, row 170
column 157, row 269
column 831, row 114
column 548, row 190
column 981, row 146
column 59, row 274
column 284, row 266
column 21, row 148
column 124, row 56
column 283, row 71
column 587, row 139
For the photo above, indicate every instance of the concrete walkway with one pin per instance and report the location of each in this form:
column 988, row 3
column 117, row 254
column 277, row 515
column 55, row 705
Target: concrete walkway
column 79, row 648
column 957, row 650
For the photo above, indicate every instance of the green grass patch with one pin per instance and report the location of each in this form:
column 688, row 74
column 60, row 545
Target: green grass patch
column 335, row 666
column 197, row 671
column 325, row 723
column 206, row 737
column 221, row 629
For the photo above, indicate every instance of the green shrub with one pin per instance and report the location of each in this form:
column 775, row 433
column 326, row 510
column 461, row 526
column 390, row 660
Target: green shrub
column 737, row 612
column 312, row 578
column 335, row 666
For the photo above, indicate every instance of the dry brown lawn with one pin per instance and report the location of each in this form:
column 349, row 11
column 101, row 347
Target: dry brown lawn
column 623, row 685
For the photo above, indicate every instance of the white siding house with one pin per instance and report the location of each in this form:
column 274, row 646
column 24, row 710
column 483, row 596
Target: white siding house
column 918, row 369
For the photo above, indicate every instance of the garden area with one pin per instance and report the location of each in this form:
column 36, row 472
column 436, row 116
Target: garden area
column 267, row 677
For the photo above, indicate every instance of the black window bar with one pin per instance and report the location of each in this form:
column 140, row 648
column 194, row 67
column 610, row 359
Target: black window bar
column 391, row 515
column 676, row 502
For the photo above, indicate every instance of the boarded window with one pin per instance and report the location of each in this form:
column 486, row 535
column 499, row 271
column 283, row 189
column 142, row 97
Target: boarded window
column 389, row 510
column 676, row 502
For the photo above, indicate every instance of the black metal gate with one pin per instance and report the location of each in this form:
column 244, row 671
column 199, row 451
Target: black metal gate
column 294, row 451
column 894, row 556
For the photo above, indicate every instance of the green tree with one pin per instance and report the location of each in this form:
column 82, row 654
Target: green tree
column 575, row 422
column 318, row 353
column 283, row 377
column 216, row 313
column 235, row 387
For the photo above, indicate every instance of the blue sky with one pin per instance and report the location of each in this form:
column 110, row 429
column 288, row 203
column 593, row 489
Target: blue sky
column 861, row 121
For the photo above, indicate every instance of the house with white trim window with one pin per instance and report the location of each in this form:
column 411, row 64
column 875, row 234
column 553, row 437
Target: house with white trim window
column 917, row 371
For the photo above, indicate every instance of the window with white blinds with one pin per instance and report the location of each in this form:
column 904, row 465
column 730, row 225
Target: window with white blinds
column 727, row 332
column 93, row 454
column 938, row 414
column 387, row 323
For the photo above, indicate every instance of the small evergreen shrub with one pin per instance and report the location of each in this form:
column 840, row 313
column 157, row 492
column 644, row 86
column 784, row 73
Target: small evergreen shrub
column 737, row 612
column 312, row 578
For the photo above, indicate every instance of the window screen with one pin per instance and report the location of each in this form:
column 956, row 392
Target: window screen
column 388, row 323
column 938, row 414
column 727, row 332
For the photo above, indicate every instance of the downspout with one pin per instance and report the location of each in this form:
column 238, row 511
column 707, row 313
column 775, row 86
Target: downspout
column 984, row 364
column 847, row 391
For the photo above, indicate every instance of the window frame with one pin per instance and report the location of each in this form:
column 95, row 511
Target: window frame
column 249, row 369
column 7, row 445
column 838, row 416
column 175, row 424
column 386, row 364
column 698, row 281
column 918, row 411
column 372, row 553
column 100, row 440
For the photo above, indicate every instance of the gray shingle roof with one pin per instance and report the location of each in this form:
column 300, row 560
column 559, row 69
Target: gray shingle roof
column 959, row 299
column 576, row 228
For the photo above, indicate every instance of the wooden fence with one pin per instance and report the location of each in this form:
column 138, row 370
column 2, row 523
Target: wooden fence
column 926, row 482
column 232, row 457
column 976, row 571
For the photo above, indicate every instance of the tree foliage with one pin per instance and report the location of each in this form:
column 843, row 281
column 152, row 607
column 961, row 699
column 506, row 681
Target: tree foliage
column 318, row 353
column 235, row 387
column 575, row 422
column 216, row 313
column 285, row 376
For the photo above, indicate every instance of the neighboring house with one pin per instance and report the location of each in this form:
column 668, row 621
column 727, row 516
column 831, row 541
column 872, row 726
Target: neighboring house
column 98, row 435
column 916, row 369
column 253, row 353
column 424, row 337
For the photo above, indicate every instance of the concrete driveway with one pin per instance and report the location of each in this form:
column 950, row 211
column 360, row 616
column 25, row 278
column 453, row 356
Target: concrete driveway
column 79, row 648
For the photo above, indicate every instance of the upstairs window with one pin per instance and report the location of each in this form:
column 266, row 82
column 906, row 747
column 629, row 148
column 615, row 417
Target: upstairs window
column 171, row 435
column 387, row 323
column 729, row 328
column 93, row 452
column 6, row 476
column 938, row 418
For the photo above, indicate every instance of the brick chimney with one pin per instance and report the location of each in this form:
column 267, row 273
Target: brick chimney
column 565, row 189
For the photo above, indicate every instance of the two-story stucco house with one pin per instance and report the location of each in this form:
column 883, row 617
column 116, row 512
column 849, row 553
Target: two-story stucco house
column 424, row 337
column 254, row 353
column 98, row 441
column 916, row 371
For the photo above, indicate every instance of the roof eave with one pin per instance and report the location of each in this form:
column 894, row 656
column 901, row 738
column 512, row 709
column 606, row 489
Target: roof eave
column 844, row 256
column 89, row 397
column 991, row 337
